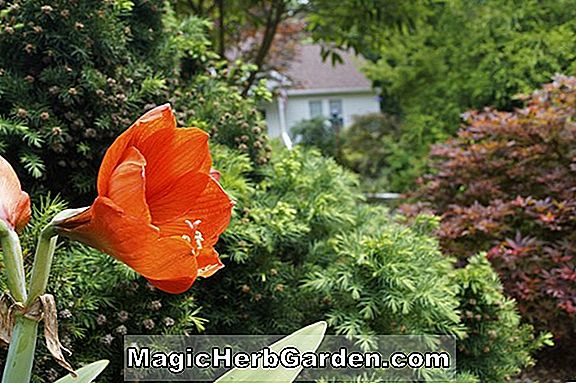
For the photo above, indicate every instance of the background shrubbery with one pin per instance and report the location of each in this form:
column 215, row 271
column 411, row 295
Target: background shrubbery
column 386, row 278
column 319, row 133
column 301, row 248
column 302, row 245
column 368, row 147
column 434, row 61
column 506, row 185
column 73, row 77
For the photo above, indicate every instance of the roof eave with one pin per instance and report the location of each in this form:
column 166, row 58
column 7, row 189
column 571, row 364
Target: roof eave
column 311, row 92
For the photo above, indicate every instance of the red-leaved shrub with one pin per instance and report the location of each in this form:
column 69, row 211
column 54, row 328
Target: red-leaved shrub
column 507, row 185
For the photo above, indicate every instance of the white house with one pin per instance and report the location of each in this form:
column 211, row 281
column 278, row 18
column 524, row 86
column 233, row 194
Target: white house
column 316, row 88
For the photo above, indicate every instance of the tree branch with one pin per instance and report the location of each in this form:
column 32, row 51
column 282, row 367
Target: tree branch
column 221, row 31
column 274, row 18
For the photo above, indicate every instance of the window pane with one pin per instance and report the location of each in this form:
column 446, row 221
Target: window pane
column 336, row 113
column 315, row 108
column 336, row 108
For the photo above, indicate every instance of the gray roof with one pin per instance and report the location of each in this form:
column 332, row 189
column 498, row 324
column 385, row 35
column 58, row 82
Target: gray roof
column 309, row 72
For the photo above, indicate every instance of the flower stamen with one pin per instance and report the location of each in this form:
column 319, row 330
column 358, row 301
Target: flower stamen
column 198, row 238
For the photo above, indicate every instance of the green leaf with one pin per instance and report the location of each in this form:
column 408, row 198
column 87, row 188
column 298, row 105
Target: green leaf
column 124, row 6
column 86, row 374
column 33, row 164
column 306, row 339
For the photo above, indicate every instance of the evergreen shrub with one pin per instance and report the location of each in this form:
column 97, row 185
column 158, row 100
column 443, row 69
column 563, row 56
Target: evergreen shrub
column 388, row 278
column 300, row 249
column 72, row 78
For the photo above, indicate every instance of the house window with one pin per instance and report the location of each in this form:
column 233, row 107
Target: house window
column 315, row 109
column 336, row 112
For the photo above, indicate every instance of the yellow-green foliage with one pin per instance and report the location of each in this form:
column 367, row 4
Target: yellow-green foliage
column 302, row 247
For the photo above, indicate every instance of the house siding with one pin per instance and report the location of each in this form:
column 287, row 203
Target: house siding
column 297, row 108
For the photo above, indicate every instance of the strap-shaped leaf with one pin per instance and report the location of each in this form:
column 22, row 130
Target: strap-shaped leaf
column 86, row 374
column 307, row 339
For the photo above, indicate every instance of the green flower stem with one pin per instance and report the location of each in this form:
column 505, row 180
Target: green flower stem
column 18, row 368
column 42, row 263
column 13, row 262
column 20, row 358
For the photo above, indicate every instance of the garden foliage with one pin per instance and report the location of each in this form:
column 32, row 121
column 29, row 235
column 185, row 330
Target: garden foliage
column 497, row 343
column 387, row 278
column 73, row 77
column 369, row 148
column 433, row 60
column 319, row 133
column 506, row 185
column 301, row 202
column 300, row 249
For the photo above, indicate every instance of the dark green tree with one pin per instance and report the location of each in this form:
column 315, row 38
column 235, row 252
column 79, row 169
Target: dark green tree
column 72, row 76
column 435, row 60
column 75, row 75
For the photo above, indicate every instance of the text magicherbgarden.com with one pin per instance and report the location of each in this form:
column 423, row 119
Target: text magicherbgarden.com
column 289, row 357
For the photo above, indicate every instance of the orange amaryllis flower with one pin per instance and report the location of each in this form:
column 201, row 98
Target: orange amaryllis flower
column 14, row 203
column 159, row 209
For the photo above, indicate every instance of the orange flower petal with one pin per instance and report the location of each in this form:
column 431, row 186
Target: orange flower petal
column 172, row 153
column 168, row 258
column 159, row 208
column 156, row 119
column 23, row 212
column 14, row 203
column 179, row 198
column 208, row 262
column 133, row 241
column 175, row 286
column 127, row 185
column 213, row 208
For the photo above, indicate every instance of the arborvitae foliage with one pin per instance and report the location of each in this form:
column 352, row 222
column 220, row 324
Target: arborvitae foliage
column 506, row 185
column 301, row 222
column 301, row 202
column 497, row 345
column 391, row 279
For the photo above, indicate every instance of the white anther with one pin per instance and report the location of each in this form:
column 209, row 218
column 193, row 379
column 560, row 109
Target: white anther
column 199, row 239
column 193, row 225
